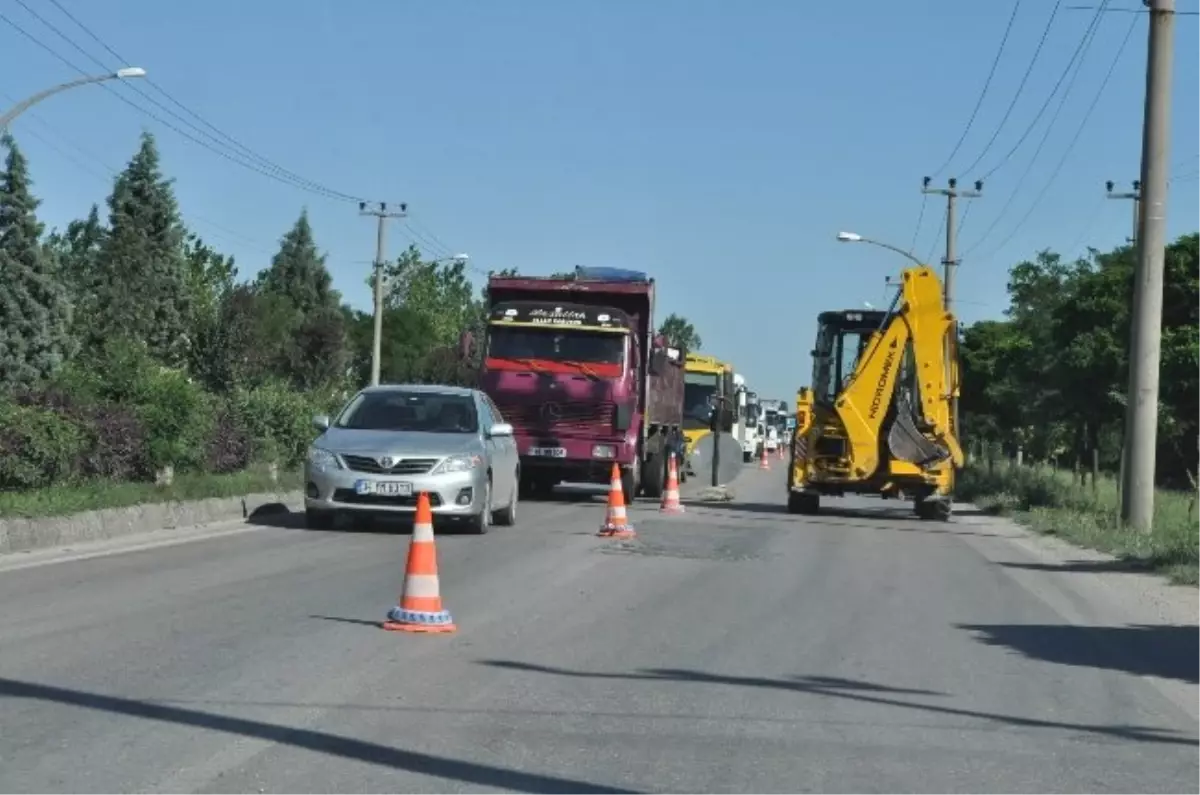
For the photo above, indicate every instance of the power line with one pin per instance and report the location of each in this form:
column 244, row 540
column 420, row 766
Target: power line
column 983, row 93
column 279, row 175
column 1016, row 96
column 1084, row 43
column 266, row 162
column 1077, row 67
column 1075, row 138
column 920, row 220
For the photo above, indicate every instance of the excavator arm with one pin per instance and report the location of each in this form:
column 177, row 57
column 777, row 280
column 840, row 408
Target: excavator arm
column 923, row 434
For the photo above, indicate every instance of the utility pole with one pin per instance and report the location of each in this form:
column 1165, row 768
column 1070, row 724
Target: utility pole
column 1141, row 424
column 950, row 263
column 1135, row 196
column 382, row 213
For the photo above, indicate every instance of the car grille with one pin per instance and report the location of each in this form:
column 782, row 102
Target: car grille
column 350, row 497
column 563, row 418
column 407, row 466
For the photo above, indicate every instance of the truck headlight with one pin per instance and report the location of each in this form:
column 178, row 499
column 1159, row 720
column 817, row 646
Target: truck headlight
column 457, row 463
column 604, row 451
column 322, row 460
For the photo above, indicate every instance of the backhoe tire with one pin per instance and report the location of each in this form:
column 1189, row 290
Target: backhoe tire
column 803, row 503
column 933, row 510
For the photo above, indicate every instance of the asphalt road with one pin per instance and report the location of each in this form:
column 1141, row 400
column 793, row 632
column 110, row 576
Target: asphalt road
column 732, row 649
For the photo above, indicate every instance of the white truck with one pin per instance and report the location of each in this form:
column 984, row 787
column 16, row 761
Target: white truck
column 751, row 434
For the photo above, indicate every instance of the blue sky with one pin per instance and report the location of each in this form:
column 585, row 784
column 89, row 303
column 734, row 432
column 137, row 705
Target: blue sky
column 719, row 146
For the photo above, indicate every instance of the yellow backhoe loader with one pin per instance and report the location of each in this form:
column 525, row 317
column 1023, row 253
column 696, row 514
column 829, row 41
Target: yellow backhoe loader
column 878, row 417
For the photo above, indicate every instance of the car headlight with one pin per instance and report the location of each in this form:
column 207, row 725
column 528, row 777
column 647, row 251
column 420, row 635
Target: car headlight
column 457, row 463
column 321, row 459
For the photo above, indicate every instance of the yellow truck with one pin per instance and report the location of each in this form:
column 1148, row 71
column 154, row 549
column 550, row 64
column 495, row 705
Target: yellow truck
column 707, row 387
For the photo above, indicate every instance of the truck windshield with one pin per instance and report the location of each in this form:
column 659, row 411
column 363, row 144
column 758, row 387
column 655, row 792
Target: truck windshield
column 699, row 398
column 556, row 345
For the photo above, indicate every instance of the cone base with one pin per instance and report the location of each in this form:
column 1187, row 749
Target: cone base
column 617, row 532
column 427, row 629
column 671, row 509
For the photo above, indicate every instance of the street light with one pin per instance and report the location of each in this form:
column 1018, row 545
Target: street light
column 124, row 73
column 853, row 237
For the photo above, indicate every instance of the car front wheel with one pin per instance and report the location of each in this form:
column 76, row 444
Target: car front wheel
column 507, row 516
column 482, row 522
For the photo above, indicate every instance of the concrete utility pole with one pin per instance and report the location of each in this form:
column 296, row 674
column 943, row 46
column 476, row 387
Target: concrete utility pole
column 382, row 214
column 950, row 261
column 1141, row 419
column 1135, row 196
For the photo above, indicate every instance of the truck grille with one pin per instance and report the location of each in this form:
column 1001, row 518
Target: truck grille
column 565, row 418
column 407, row 466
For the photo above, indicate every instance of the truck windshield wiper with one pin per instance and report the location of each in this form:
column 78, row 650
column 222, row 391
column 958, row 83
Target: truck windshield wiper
column 530, row 363
column 583, row 368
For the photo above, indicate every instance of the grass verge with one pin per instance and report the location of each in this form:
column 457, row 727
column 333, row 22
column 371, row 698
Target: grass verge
column 1053, row 503
column 76, row 498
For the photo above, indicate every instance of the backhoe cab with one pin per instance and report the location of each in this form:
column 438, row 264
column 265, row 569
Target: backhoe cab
column 877, row 419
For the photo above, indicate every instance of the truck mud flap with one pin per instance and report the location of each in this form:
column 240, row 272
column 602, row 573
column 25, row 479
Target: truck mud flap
column 907, row 443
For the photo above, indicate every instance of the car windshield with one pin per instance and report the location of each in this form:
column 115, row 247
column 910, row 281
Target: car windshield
column 556, row 345
column 431, row 412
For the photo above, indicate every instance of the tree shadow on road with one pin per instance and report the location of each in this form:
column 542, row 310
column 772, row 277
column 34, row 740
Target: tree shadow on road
column 852, row 690
column 1167, row 652
column 319, row 742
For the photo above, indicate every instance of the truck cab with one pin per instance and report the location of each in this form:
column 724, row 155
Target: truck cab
column 572, row 365
column 708, row 389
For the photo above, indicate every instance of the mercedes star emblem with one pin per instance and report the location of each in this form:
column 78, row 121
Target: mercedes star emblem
column 387, row 462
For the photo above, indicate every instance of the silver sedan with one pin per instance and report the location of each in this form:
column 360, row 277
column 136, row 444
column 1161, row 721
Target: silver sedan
column 392, row 442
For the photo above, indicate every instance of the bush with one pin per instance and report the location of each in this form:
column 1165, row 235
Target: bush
column 178, row 418
column 38, row 447
column 230, row 448
column 115, row 447
column 279, row 421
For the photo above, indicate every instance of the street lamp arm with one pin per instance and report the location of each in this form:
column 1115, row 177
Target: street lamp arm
column 850, row 237
column 26, row 104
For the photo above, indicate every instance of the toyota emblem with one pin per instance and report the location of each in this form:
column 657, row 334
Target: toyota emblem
column 387, row 462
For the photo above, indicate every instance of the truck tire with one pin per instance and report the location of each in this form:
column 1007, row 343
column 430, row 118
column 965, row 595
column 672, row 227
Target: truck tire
column 654, row 475
column 631, row 481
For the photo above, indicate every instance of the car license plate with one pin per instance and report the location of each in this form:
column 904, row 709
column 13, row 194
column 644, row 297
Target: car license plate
column 548, row 452
column 384, row 488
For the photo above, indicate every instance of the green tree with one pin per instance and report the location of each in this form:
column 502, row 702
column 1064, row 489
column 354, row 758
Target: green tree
column 78, row 253
column 35, row 312
column 298, row 273
column 142, row 288
column 211, row 279
column 680, row 333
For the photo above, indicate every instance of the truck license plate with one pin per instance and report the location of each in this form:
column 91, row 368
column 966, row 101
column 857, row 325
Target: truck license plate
column 384, row 488
column 548, row 452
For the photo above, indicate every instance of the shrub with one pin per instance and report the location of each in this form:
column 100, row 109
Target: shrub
column 178, row 417
column 38, row 447
column 229, row 447
column 115, row 442
column 279, row 421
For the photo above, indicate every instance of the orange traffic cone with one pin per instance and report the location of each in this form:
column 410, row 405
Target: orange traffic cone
column 670, row 501
column 764, row 463
column 779, row 450
column 616, row 525
column 420, row 608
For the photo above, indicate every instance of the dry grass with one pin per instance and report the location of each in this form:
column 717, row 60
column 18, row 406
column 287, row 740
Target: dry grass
column 1052, row 502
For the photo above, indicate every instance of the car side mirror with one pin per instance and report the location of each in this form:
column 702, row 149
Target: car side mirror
column 500, row 429
column 321, row 422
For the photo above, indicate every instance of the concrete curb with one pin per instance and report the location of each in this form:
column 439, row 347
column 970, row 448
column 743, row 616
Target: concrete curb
column 25, row 535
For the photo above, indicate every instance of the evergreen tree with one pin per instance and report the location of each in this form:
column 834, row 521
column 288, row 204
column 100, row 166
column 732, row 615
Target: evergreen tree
column 77, row 251
column 35, row 312
column 143, row 289
column 298, row 273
